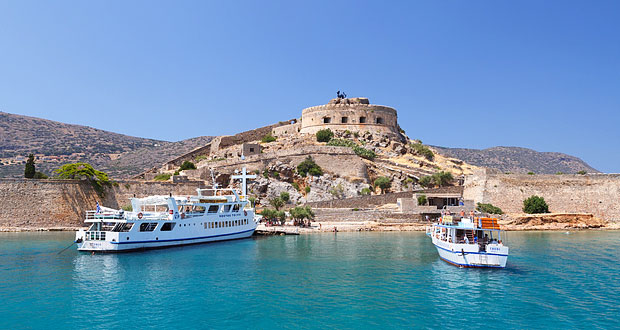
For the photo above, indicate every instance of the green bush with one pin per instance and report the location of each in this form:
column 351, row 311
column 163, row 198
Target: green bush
column 535, row 204
column 277, row 203
column 127, row 208
column 365, row 191
column 187, row 165
column 85, row 171
column 337, row 191
column 341, row 143
column 488, row 208
column 176, row 172
column 531, row 173
column 252, row 201
column 423, row 150
column 442, row 178
column 268, row 138
column 360, row 151
column 324, row 135
column 426, row 181
column 307, row 189
column 301, row 212
column 200, row 158
column 308, row 166
column 40, row 175
column 162, row 177
column 364, row 153
column 285, row 196
column 295, row 185
column 422, row 200
column 266, row 174
column 582, row 172
column 383, row 182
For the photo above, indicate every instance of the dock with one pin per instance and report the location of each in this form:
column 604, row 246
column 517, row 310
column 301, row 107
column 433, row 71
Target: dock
column 276, row 230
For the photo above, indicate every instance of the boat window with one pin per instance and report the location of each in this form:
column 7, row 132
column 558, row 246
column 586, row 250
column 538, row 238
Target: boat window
column 236, row 207
column 199, row 208
column 168, row 226
column 148, row 226
column 227, row 208
column 213, row 209
column 123, row 227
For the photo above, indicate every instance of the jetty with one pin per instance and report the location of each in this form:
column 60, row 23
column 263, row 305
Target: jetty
column 276, row 230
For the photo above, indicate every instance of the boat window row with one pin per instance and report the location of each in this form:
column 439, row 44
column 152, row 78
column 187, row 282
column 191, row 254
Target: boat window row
column 225, row 224
column 226, row 209
column 95, row 236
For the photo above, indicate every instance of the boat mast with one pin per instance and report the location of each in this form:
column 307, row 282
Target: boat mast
column 243, row 177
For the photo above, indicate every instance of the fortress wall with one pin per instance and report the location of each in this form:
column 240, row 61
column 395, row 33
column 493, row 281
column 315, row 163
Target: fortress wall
column 362, row 201
column 598, row 194
column 313, row 118
column 339, row 160
column 63, row 203
column 287, row 129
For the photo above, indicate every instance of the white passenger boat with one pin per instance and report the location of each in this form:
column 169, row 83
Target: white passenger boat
column 469, row 242
column 162, row 221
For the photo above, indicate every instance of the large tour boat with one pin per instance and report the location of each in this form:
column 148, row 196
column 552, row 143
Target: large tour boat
column 469, row 241
column 162, row 221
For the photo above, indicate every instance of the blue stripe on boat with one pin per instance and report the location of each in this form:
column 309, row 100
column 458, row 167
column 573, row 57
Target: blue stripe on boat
column 468, row 265
column 181, row 239
column 491, row 254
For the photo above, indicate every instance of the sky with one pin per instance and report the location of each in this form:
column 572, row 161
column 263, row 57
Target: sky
column 474, row 74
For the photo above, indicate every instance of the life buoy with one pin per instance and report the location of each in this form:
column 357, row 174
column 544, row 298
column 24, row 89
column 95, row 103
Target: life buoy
column 140, row 215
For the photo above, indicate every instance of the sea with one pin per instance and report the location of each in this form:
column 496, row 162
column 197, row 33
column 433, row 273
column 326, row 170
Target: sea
column 367, row 280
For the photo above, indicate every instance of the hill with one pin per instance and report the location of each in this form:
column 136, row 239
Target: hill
column 519, row 160
column 56, row 143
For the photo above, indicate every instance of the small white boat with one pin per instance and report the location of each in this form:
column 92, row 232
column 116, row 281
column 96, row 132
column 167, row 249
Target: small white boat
column 469, row 242
column 163, row 221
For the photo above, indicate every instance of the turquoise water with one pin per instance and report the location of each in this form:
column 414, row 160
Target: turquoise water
column 348, row 281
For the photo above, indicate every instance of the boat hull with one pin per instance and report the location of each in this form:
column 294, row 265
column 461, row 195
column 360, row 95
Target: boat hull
column 124, row 246
column 468, row 255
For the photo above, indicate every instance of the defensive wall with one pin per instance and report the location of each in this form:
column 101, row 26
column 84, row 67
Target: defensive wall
column 338, row 160
column 354, row 116
column 362, row 202
column 63, row 203
column 598, row 194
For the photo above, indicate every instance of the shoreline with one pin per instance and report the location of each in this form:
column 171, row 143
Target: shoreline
column 366, row 226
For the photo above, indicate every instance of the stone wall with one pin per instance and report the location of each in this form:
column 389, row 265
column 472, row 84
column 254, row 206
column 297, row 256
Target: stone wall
column 362, row 201
column 313, row 118
column 287, row 130
column 598, row 194
column 63, row 203
column 330, row 159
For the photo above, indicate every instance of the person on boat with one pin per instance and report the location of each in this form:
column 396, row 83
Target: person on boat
column 466, row 239
column 462, row 214
column 475, row 239
column 471, row 215
column 486, row 238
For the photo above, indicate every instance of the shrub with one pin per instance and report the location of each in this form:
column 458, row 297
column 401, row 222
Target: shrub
column 365, row 191
column 252, row 200
column 84, row 171
column 176, row 172
column 285, row 196
column 582, row 172
column 559, row 173
column 422, row 200
column 423, row 150
column 40, row 175
column 187, row 165
column 488, row 208
column 426, row 181
column 266, row 174
column 337, row 191
column 127, row 208
column 364, row 153
column 276, row 174
column 29, row 169
column 295, row 185
column 535, row 204
column 383, row 182
column 324, row 135
column 442, row 178
column 307, row 189
column 355, row 209
column 268, row 138
column 308, row 166
column 277, row 203
column 530, row 173
column 162, row 177
column 341, row 143
column 302, row 212
column 274, row 215
column 200, row 158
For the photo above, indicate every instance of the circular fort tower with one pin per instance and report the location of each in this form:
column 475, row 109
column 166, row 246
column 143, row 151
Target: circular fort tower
column 353, row 114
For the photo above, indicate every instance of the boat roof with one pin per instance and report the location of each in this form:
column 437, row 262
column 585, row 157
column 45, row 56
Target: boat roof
column 470, row 228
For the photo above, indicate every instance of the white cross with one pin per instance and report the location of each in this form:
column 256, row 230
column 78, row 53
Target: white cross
column 243, row 177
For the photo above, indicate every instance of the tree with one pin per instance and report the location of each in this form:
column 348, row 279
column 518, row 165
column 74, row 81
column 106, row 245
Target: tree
column 535, row 204
column 40, row 175
column 324, row 135
column 187, row 165
column 285, row 196
column 277, row 203
column 84, row 171
column 426, row 181
column 308, row 166
column 422, row 199
column 268, row 138
column 442, row 178
column 383, row 182
column 29, row 171
column 300, row 213
column 252, row 200
column 365, row 191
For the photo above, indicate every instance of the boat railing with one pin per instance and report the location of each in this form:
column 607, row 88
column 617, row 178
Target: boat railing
column 94, row 215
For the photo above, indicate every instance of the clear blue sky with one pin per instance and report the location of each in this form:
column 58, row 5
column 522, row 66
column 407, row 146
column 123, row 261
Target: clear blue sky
column 538, row 74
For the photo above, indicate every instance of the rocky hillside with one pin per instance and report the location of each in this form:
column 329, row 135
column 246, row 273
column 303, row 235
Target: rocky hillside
column 519, row 160
column 55, row 143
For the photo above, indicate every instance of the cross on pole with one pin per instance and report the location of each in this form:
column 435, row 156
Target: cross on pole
column 243, row 177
